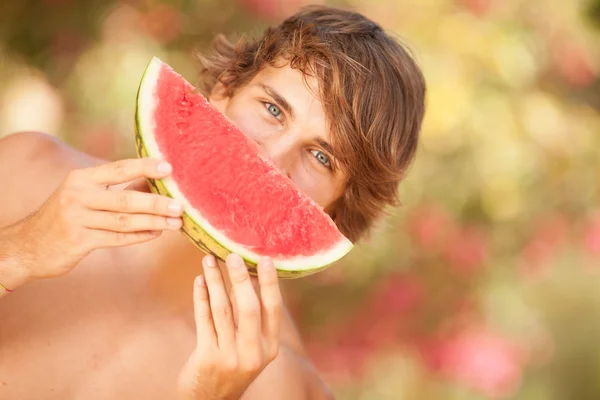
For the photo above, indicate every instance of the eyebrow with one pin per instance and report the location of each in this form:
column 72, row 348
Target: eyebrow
column 278, row 98
column 326, row 146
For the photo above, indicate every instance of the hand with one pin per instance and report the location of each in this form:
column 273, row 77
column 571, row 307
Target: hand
column 83, row 215
column 230, row 355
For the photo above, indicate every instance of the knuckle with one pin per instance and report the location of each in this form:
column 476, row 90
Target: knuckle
column 240, row 278
column 250, row 309
column 253, row 363
column 74, row 176
column 209, row 365
column 220, row 310
column 67, row 197
column 158, row 205
column 206, row 359
column 123, row 201
column 273, row 309
column 120, row 167
column 272, row 351
column 158, row 223
column 230, row 364
column 120, row 237
column 123, row 221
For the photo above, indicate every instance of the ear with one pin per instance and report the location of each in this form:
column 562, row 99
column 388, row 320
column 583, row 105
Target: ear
column 219, row 92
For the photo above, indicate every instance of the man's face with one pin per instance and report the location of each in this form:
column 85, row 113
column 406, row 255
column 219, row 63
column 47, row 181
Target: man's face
column 285, row 117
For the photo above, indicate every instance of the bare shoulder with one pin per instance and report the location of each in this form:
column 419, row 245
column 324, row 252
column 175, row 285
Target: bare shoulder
column 32, row 165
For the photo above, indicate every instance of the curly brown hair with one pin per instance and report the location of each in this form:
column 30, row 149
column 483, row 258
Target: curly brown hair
column 372, row 91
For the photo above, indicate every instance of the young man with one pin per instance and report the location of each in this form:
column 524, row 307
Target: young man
column 331, row 98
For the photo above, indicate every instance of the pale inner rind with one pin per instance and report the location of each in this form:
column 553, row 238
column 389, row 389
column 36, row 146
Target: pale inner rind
column 146, row 106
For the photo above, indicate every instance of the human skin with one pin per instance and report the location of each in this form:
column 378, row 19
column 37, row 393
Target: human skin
column 121, row 323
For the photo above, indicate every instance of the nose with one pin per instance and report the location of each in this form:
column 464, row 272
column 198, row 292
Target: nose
column 280, row 150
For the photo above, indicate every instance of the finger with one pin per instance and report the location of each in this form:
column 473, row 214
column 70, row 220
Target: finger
column 248, row 305
column 271, row 299
column 118, row 239
column 122, row 222
column 139, row 185
column 205, row 330
column 232, row 297
column 127, row 170
column 127, row 201
column 220, row 305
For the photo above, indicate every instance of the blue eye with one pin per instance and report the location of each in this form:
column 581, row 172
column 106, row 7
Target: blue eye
column 273, row 109
column 322, row 158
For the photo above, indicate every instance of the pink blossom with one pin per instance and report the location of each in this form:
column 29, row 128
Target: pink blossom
column 479, row 359
column 344, row 362
column 592, row 237
column 397, row 294
column 536, row 254
column 429, row 226
column 477, row 7
column 550, row 233
column 466, row 250
column 67, row 42
column 376, row 326
column 162, row 22
column 574, row 64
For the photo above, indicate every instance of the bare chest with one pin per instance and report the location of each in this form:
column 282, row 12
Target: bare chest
column 102, row 332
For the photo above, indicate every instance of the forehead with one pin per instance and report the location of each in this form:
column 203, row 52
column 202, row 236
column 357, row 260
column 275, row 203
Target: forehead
column 290, row 80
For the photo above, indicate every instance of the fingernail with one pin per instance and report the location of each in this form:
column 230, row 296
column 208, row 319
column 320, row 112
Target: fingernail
column 266, row 264
column 209, row 261
column 175, row 208
column 174, row 223
column 239, row 263
column 200, row 281
column 235, row 261
column 164, row 167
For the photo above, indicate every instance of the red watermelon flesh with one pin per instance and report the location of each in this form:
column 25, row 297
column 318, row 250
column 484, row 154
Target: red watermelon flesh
column 223, row 175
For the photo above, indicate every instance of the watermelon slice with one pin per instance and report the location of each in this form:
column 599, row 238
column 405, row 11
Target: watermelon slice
column 234, row 197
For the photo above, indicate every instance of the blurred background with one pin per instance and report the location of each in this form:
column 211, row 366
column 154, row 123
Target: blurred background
column 486, row 283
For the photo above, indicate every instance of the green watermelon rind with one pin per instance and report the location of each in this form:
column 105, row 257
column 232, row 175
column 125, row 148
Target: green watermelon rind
column 194, row 230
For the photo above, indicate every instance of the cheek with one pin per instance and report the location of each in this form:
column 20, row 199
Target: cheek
column 248, row 119
column 319, row 188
